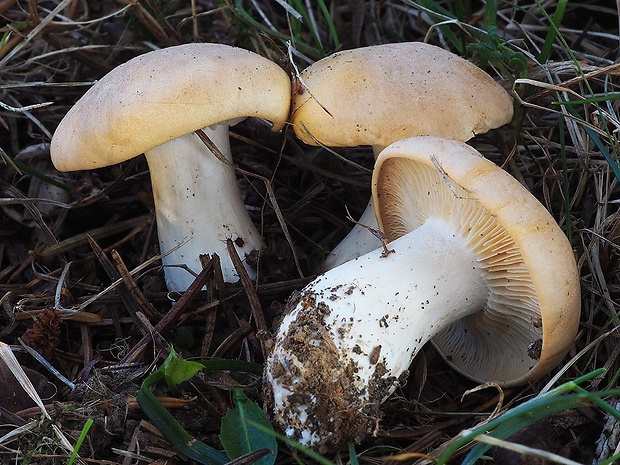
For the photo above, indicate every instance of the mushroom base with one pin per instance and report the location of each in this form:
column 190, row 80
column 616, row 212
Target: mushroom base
column 323, row 406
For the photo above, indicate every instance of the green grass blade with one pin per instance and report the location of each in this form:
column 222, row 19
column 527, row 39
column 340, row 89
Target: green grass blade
column 514, row 421
column 611, row 161
column 174, row 371
column 24, row 168
column 232, row 365
column 180, row 439
column 599, row 402
column 521, row 416
column 330, row 23
column 353, row 455
column 433, row 7
column 301, row 46
column 602, row 98
column 528, row 413
column 295, row 445
column 554, row 29
column 80, row 441
column 306, row 21
column 490, row 14
column 613, row 459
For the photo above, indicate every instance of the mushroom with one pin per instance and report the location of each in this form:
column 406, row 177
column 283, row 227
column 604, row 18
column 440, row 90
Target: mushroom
column 475, row 263
column 153, row 104
column 383, row 93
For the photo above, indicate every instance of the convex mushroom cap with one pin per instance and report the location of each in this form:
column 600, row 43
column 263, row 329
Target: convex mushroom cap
column 153, row 104
column 475, row 263
column 380, row 94
column 383, row 93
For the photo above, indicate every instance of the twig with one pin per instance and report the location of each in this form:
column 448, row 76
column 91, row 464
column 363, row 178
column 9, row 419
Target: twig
column 173, row 315
column 138, row 297
column 98, row 233
column 244, row 330
column 255, row 306
column 375, row 232
column 113, row 274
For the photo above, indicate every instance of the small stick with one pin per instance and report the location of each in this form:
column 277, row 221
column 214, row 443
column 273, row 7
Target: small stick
column 244, row 330
column 211, row 301
column 113, row 275
column 138, row 297
column 375, row 232
column 255, row 306
column 173, row 314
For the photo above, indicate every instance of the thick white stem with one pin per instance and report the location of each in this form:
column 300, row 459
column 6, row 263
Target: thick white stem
column 360, row 240
column 354, row 331
column 198, row 204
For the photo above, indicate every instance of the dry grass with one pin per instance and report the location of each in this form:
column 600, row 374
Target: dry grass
column 52, row 50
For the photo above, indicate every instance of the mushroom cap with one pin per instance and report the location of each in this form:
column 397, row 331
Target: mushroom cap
column 164, row 94
column 383, row 93
column 532, row 312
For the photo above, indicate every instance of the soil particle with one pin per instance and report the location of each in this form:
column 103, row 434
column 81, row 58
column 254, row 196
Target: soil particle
column 328, row 398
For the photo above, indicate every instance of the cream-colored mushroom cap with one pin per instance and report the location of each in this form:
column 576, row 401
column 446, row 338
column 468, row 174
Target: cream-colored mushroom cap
column 380, row 94
column 532, row 311
column 164, row 94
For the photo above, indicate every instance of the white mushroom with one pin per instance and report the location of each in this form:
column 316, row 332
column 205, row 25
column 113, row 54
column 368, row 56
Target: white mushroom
column 380, row 94
column 475, row 263
column 153, row 104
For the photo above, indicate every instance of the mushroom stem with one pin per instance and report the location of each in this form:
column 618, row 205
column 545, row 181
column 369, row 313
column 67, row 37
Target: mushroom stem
column 198, row 204
column 359, row 240
column 346, row 344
